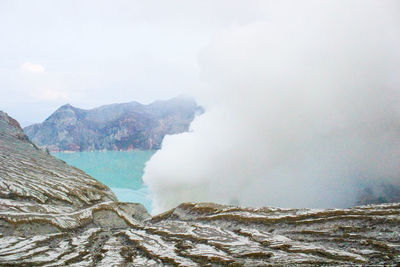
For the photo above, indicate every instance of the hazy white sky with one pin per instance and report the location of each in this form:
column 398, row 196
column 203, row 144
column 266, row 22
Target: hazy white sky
column 95, row 52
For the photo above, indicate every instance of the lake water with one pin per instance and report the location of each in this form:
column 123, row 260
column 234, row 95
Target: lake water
column 122, row 171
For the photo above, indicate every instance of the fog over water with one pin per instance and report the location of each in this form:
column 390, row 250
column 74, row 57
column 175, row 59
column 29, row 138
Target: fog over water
column 301, row 107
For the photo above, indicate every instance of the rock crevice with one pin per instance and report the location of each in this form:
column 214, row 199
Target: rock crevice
column 52, row 214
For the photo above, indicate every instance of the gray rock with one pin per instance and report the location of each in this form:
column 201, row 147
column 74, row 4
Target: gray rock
column 52, row 214
column 108, row 219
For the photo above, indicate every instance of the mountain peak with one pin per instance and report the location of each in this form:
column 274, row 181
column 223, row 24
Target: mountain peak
column 66, row 106
column 123, row 126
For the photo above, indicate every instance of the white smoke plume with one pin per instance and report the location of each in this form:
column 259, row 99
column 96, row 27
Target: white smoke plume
column 301, row 108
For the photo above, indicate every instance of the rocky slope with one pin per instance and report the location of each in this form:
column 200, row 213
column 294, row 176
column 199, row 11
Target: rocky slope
column 113, row 127
column 52, row 214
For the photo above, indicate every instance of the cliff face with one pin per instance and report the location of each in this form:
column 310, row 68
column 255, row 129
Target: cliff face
column 113, row 127
column 52, row 214
column 30, row 174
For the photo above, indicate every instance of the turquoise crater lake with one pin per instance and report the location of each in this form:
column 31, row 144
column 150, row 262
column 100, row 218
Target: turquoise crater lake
column 122, row 171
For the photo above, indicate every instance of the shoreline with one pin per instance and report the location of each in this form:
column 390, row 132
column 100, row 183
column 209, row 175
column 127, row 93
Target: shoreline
column 104, row 150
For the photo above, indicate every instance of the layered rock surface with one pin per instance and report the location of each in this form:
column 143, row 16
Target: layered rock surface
column 52, row 214
column 114, row 127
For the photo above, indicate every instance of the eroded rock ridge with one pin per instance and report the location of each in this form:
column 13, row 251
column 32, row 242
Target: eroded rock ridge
column 52, row 214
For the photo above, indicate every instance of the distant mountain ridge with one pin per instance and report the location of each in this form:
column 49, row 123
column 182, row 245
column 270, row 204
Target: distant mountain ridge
column 123, row 126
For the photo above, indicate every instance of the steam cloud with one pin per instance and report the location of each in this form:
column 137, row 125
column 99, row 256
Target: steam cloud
column 301, row 108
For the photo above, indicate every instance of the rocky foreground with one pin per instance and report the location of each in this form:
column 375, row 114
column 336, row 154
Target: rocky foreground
column 52, row 214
